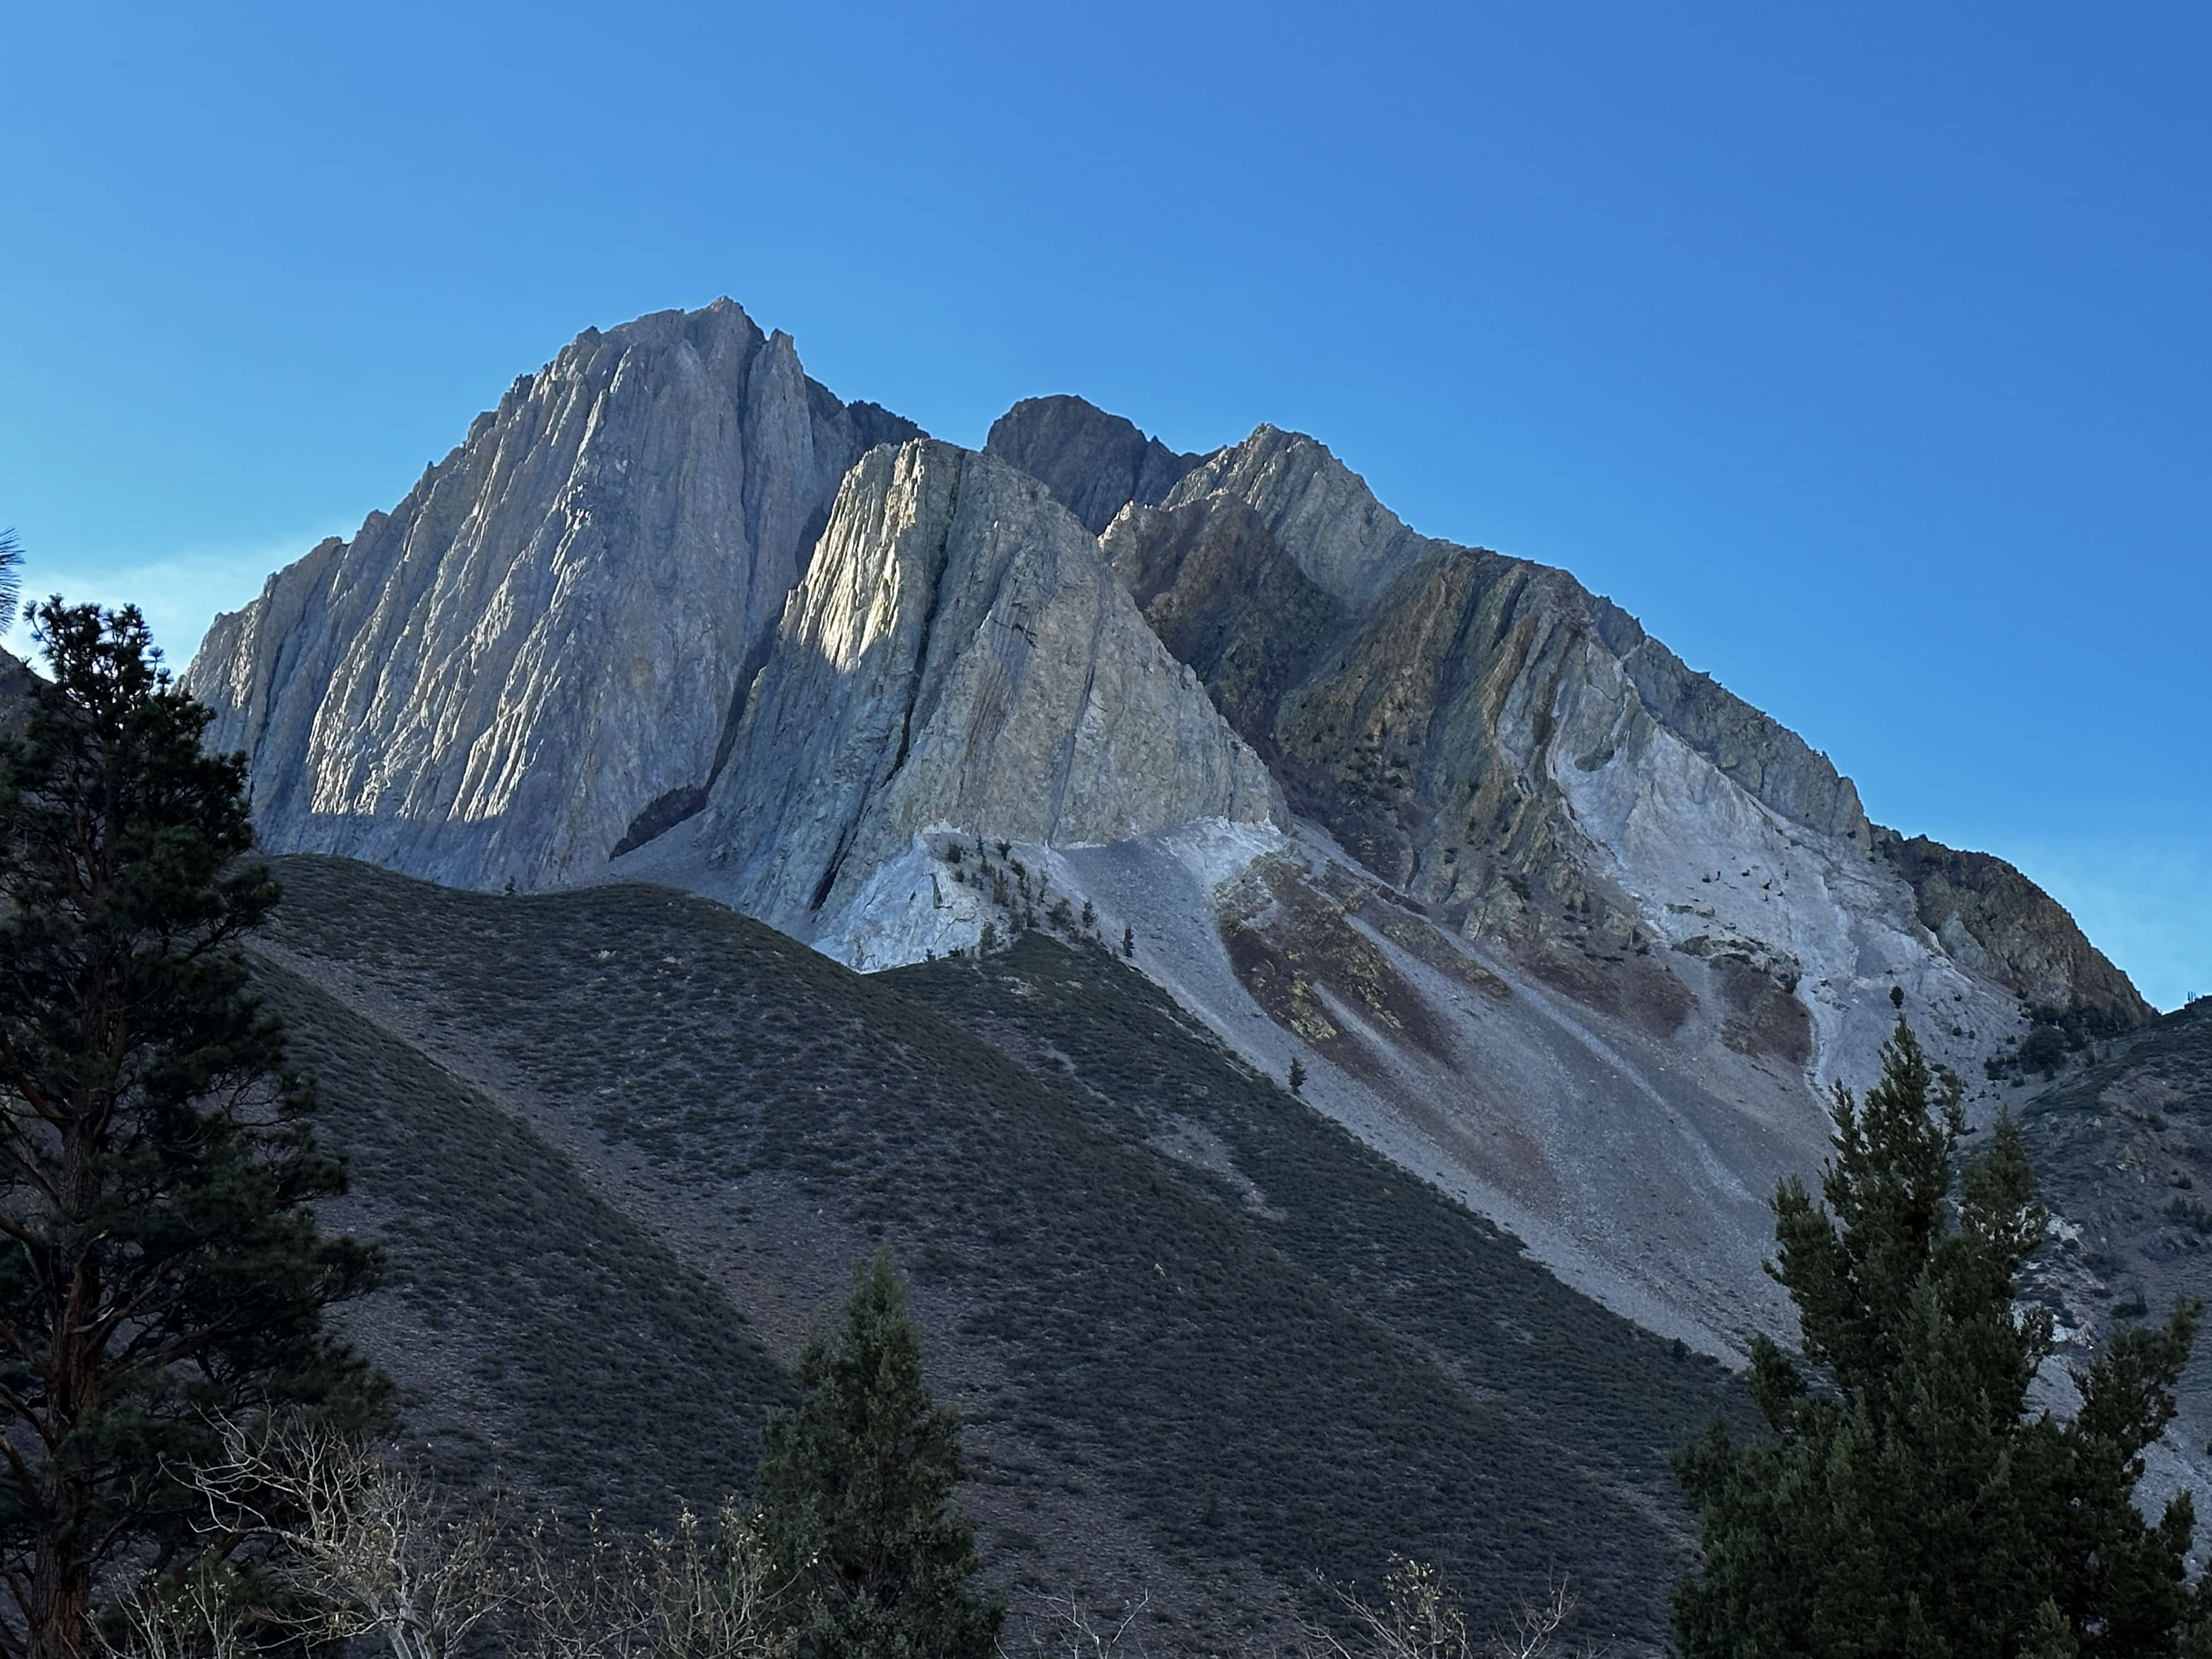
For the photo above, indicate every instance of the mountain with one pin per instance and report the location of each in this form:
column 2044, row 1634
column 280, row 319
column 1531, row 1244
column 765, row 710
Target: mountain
column 1549, row 920
column 535, row 655
column 955, row 655
column 1470, row 726
column 622, row 1145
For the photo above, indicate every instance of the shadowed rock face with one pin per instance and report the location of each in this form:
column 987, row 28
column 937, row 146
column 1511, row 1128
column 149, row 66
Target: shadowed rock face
column 957, row 655
column 543, row 641
column 2122, row 1145
column 1990, row 916
column 15, row 694
column 1093, row 462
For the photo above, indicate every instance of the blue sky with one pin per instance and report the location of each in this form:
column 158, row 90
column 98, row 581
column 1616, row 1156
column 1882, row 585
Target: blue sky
column 1862, row 351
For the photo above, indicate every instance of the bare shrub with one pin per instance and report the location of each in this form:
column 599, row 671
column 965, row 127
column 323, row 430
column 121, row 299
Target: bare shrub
column 347, row 1542
column 357, row 1543
column 1064, row 1627
column 201, row 1616
column 1419, row 1617
column 700, row 1591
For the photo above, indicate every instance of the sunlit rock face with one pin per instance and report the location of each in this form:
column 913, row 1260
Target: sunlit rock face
column 959, row 655
column 1517, row 756
column 537, row 651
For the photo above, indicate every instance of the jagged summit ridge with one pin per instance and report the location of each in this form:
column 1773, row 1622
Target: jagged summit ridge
column 1557, row 922
column 1490, row 735
column 1094, row 463
column 544, row 639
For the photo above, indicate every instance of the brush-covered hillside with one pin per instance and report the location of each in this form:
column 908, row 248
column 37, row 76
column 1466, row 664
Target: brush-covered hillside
column 2121, row 1135
column 622, row 1144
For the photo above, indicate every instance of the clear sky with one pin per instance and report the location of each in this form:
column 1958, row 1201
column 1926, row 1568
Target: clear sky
column 1862, row 351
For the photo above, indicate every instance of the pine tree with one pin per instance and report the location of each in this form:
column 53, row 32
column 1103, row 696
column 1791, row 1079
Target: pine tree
column 11, row 563
column 159, row 1261
column 1905, row 1503
column 873, row 1555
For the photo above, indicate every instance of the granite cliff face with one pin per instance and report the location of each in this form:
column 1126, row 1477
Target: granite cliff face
column 542, row 643
column 957, row 659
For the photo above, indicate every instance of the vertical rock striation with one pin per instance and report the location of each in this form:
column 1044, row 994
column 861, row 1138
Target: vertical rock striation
column 957, row 655
column 537, row 652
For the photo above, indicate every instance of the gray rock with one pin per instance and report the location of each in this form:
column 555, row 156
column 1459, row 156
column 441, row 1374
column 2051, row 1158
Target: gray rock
column 16, row 682
column 1485, row 734
column 1095, row 463
column 541, row 644
column 1985, row 911
column 1347, row 543
column 1764, row 755
column 957, row 655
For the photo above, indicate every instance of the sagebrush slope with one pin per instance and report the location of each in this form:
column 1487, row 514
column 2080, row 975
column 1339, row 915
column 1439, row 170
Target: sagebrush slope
column 1202, row 1337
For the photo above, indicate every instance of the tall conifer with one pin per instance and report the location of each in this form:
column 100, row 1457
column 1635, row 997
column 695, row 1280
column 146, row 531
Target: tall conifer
column 872, row 1556
column 159, row 1261
column 1905, row 1502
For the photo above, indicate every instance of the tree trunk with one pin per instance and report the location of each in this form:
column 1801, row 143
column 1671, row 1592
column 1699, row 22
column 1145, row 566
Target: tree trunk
column 61, row 1596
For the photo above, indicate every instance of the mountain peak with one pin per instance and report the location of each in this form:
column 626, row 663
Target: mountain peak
column 1094, row 462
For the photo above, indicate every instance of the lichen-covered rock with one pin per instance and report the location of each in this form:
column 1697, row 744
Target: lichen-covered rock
column 958, row 655
column 541, row 645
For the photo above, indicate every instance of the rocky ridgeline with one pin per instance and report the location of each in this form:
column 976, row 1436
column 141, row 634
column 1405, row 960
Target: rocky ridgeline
column 1552, row 918
column 541, row 644
column 599, row 615
column 1519, row 755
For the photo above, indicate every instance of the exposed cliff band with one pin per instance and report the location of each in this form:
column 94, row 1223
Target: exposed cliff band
column 544, row 639
column 958, row 654
column 1491, row 738
column 626, row 600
